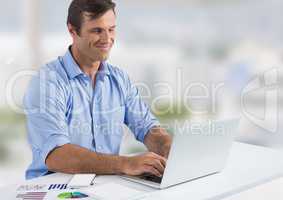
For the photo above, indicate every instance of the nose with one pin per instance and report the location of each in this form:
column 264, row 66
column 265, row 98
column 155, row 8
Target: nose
column 106, row 37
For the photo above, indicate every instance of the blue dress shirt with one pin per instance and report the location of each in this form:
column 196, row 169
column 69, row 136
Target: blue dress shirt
column 62, row 107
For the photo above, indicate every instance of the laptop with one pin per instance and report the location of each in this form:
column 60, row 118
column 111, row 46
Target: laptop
column 198, row 149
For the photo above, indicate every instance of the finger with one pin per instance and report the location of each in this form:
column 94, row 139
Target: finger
column 152, row 170
column 160, row 158
column 156, row 164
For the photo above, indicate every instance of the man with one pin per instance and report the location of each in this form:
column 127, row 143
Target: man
column 77, row 104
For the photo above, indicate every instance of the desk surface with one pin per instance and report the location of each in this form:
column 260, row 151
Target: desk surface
column 271, row 190
column 248, row 166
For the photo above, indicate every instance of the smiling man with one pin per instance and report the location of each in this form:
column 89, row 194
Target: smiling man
column 76, row 105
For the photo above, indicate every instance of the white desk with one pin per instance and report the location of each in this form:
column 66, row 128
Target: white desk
column 247, row 167
column 271, row 190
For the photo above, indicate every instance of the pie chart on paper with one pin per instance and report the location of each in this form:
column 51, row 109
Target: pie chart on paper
column 72, row 195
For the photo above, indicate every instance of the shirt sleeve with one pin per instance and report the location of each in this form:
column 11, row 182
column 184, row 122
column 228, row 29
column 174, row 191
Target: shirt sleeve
column 138, row 116
column 45, row 113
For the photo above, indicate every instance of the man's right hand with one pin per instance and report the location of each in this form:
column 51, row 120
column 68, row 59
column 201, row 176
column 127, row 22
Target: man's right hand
column 148, row 163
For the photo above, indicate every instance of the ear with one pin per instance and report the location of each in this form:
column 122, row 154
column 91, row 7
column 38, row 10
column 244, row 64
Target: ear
column 72, row 30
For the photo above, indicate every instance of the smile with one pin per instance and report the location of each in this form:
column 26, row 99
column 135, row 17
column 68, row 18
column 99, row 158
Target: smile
column 103, row 47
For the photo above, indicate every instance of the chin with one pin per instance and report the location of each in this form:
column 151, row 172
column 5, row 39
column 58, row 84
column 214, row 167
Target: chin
column 104, row 57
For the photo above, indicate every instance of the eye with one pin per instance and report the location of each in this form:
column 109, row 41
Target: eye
column 97, row 30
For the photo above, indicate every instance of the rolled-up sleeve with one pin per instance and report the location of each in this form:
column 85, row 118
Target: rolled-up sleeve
column 138, row 116
column 45, row 112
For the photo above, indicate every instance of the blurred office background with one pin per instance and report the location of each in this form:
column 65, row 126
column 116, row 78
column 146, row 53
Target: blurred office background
column 180, row 43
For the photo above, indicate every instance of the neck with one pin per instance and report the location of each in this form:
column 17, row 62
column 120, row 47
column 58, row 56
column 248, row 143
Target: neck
column 87, row 65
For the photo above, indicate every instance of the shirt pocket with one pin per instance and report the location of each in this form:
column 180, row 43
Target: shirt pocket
column 112, row 121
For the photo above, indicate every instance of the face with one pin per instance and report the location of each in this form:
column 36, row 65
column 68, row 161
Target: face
column 96, row 36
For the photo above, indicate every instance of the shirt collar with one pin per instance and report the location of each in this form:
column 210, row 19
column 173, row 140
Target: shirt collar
column 103, row 69
column 73, row 70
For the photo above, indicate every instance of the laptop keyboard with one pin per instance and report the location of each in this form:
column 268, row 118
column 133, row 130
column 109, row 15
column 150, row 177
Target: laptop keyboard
column 152, row 178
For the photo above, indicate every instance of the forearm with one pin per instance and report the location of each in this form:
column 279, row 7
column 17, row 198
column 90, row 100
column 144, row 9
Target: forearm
column 74, row 159
column 158, row 141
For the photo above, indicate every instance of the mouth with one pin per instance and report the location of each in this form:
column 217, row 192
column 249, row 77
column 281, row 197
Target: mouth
column 104, row 47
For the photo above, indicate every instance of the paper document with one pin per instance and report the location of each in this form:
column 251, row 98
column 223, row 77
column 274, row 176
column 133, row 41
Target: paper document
column 81, row 180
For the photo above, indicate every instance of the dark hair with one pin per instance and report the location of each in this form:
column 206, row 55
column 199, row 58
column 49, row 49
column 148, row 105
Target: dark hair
column 93, row 8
